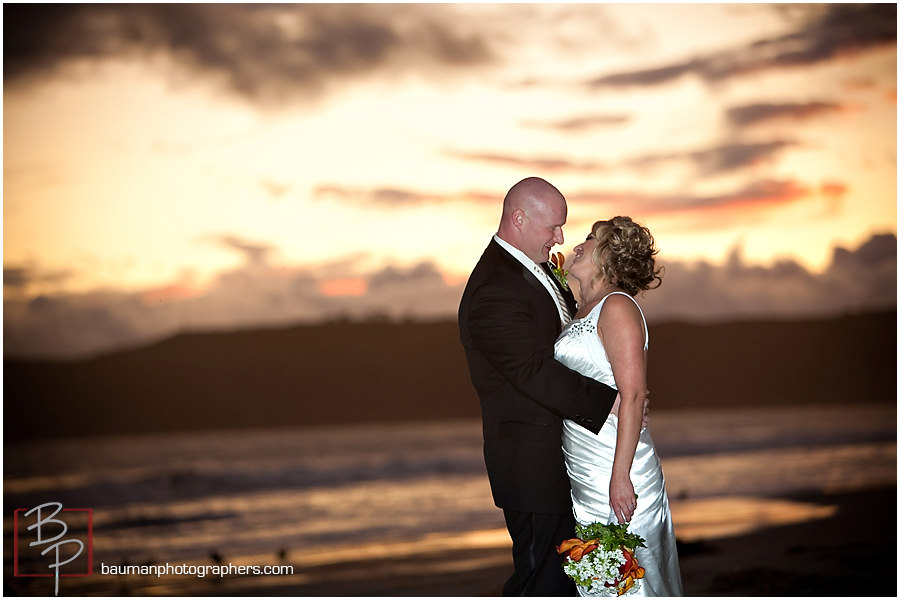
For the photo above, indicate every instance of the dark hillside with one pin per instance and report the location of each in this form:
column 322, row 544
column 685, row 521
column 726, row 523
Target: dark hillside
column 345, row 373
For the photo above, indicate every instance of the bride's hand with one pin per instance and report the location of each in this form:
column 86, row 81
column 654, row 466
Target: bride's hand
column 622, row 498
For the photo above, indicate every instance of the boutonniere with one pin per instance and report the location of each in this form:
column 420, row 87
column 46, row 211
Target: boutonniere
column 557, row 260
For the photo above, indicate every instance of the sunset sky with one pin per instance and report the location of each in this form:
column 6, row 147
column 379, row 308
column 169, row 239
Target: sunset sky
column 173, row 167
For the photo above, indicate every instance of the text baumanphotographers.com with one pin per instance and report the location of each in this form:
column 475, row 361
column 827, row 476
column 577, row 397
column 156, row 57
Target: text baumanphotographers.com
column 196, row 570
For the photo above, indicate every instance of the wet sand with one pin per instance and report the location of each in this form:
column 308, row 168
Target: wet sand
column 850, row 552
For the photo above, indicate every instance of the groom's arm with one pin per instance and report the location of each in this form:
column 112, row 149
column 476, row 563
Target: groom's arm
column 503, row 328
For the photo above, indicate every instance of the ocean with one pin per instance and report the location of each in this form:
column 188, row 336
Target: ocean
column 299, row 496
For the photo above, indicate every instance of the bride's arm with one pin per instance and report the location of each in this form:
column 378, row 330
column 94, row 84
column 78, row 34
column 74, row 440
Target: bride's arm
column 621, row 329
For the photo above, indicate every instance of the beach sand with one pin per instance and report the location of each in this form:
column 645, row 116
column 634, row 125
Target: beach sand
column 850, row 552
column 853, row 552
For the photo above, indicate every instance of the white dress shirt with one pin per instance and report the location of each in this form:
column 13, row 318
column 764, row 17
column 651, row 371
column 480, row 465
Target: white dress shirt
column 542, row 276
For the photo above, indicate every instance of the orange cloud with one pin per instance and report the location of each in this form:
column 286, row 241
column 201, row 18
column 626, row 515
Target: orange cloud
column 746, row 205
column 834, row 190
column 763, row 194
column 176, row 291
column 355, row 286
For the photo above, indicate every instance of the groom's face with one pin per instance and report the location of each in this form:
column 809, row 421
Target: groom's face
column 542, row 229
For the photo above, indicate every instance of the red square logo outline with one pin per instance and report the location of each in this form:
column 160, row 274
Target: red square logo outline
column 90, row 544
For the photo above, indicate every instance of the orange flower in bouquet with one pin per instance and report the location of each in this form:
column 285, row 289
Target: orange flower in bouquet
column 602, row 559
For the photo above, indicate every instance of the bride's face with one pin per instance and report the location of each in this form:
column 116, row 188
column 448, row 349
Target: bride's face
column 583, row 268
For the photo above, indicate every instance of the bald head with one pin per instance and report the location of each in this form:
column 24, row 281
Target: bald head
column 534, row 212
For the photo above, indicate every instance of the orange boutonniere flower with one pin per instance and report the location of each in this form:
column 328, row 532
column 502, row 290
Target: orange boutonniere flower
column 557, row 260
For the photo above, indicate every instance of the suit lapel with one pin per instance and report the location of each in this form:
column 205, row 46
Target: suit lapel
column 567, row 295
column 570, row 300
column 532, row 279
column 527, row 275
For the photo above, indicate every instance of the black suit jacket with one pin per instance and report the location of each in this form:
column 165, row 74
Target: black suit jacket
column 508, row 324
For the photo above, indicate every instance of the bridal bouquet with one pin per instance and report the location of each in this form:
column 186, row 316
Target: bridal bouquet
column 602, row 560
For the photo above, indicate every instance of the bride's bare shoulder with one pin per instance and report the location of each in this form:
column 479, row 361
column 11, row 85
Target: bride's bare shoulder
column 619, row 309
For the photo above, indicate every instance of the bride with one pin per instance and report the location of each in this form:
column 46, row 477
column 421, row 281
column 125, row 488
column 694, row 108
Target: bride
column 616, row 475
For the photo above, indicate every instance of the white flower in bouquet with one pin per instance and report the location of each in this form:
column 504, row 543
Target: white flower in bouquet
column 601, row 559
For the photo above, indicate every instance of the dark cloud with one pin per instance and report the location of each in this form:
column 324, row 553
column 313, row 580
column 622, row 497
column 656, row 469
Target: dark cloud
column 38, row 36
column 254, row 254
column 263, row 52
column 81, row 324
column 377, row 197
column 877, row 252
column 17, row 277
column 73, row 325
column 857, row 280
column 718, row 160
column 545, row 164
column 391, row 276
column 732, row 157
column 752, row 114
column 836, row 30
column 254, row 294
column 755, row 194
column 647, row 77
column 417, row 292
column 581, row 123
column 394, row 197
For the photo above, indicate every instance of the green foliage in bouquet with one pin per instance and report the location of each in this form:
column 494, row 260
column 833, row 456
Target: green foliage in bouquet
column 611, row 536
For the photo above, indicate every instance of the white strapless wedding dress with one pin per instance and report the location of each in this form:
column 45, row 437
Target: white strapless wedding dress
column 589, row 460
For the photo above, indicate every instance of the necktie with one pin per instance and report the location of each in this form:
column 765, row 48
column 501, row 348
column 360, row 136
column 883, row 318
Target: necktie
column 560, row 301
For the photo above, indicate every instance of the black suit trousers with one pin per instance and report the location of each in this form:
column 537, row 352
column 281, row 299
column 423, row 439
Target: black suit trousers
column 537, row 566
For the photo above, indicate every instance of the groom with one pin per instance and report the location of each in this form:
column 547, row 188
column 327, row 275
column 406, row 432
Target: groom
column 511, row 313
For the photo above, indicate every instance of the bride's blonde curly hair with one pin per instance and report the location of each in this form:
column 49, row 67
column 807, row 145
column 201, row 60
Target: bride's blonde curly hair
column 624, row 254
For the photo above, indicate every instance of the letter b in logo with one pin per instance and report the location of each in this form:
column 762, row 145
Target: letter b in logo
column 52, row 541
